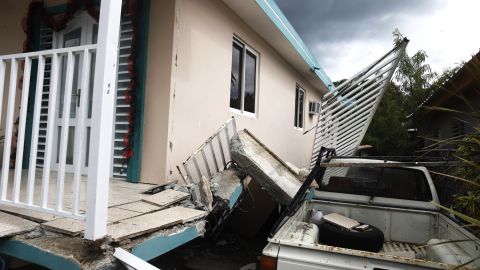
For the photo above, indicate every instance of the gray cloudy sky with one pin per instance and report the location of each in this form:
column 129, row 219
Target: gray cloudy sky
column 346, row 35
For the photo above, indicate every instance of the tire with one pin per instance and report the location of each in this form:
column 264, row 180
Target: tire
column 369, row 240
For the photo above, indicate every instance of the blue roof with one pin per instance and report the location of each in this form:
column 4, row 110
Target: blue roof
column 272, row 10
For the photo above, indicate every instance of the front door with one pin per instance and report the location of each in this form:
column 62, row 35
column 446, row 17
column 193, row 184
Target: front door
column 80, row 31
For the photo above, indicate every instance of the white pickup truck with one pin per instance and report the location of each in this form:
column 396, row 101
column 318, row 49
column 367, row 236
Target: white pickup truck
column 395, row 200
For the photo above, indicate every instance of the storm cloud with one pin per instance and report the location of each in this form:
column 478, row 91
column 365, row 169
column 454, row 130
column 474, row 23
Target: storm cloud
column 346, row 35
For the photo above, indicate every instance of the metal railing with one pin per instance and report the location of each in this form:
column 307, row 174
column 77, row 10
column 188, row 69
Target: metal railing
column 212, row 156
column 347, row 112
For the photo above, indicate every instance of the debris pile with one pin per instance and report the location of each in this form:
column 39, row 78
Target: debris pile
column 267, row 169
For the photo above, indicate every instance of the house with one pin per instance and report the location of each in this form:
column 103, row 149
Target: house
column 459, row 93
column 96, row 95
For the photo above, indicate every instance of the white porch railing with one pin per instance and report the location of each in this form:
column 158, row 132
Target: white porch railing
column 10, row 194
column 23, row 191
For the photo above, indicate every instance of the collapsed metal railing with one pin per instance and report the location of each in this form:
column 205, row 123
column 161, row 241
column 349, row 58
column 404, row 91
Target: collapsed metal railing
column 347, row 112
column 212, row 156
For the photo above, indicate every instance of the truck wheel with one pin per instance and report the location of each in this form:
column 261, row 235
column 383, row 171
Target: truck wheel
column 368, row 240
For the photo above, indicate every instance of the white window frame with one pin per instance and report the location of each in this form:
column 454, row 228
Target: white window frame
column 297, row 109
column 246, row 48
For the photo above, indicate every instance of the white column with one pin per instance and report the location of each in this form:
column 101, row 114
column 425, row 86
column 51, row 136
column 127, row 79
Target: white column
column 102, row 119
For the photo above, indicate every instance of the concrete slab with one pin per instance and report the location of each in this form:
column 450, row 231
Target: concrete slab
column 206, row 196
column 144, row 224
column 36, row 216
column 140, row 207
column 264, row 167
column 68, row 226
column 224, row 184
column 116, row 214
column 11, row 225
column 166, row 197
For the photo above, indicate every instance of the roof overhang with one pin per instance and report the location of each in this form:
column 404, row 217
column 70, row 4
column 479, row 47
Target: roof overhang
column 266, row 18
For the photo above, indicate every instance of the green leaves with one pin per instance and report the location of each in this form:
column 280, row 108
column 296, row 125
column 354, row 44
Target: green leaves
column 412, row 84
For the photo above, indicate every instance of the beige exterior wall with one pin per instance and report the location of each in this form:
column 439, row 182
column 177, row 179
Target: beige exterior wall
column 188, row 83
column 200, row 90
column 158, row 91
column 11, row 15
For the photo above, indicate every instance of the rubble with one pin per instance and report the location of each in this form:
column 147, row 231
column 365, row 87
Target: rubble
column 264, row 167
column 224, row 184
column 206, row 196
column 226, row 188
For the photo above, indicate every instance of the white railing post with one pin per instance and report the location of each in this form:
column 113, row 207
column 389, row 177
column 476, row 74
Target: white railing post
column 102, row 119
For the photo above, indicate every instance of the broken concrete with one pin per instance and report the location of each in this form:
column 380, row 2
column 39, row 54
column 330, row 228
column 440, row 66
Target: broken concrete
column 166, row 198
column 206, row 196
column 264, row 167
column 11, row 225
column 224, row 184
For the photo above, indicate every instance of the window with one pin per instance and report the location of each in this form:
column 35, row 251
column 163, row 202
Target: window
column 243, row 87
column 299, row 101
column 396, row 183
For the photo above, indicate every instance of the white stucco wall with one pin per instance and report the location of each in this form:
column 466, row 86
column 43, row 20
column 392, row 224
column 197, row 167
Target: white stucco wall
column 201, row 72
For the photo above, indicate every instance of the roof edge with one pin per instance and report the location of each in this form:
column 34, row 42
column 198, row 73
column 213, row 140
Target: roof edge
column 271, row 9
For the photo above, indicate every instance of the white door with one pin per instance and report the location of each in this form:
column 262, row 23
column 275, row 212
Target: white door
column 80, row 31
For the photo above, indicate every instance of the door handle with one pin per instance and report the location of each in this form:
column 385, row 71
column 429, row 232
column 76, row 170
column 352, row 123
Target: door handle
column 78, row 95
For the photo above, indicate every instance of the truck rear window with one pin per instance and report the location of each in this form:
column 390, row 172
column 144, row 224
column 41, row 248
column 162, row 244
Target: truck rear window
column 397, row 183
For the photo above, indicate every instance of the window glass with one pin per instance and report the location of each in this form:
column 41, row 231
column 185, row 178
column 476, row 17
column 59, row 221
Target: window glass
column 71, row 39
column 236, row 79
column 243, row 81
column 250, row 85
column 397, row 183
column 299, row 106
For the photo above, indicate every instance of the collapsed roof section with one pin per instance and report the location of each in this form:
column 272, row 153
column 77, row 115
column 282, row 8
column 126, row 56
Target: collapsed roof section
column 347, row 112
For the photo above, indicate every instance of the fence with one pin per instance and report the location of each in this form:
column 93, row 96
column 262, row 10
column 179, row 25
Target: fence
column 212, row 156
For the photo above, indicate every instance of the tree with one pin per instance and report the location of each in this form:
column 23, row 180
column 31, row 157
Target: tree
column 386, row 131
column 411, row 86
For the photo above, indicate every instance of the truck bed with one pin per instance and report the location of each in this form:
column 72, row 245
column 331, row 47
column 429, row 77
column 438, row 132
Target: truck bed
column 392, row 247
column 405, row 243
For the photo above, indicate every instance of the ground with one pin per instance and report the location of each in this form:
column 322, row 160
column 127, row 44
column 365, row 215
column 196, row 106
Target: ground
column 229, row 251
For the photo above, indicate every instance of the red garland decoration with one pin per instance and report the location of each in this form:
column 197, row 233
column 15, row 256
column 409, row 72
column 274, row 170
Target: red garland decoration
column 132, row 9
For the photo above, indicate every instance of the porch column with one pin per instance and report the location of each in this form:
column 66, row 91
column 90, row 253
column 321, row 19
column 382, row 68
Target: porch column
column 99, row 164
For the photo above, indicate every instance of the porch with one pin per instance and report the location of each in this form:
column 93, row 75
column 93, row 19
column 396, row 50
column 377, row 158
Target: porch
column 134, row 223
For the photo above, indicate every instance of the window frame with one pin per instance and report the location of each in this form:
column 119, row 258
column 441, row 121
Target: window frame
column 296, row 122
column 246, row 48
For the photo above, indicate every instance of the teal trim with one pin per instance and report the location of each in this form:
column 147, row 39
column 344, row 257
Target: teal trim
column 35, row 255
column 35, row 46
column 160, row 245
column 271, row 9
column 135, row 163
column 310, row 193
column 235, row 195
